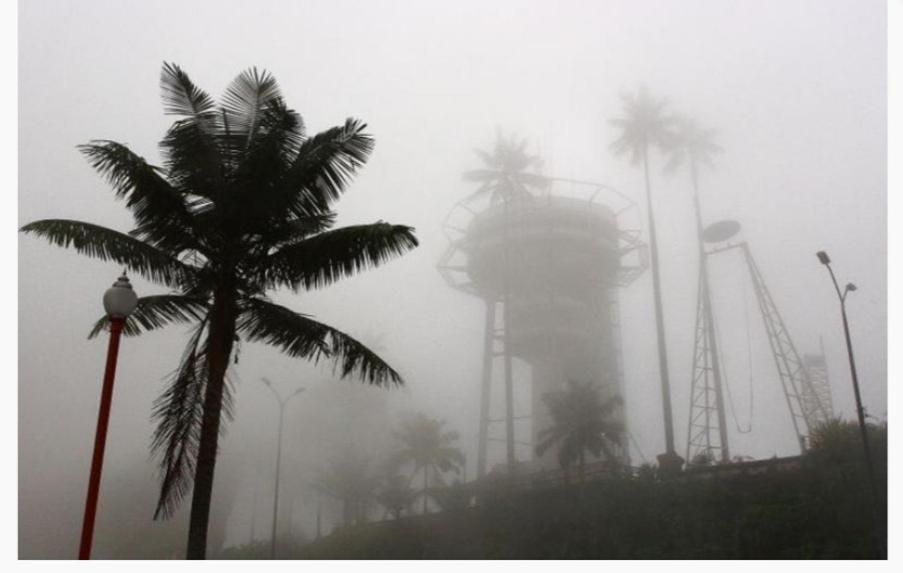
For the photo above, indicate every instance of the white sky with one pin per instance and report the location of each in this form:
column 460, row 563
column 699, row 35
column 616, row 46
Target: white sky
column 796, row 89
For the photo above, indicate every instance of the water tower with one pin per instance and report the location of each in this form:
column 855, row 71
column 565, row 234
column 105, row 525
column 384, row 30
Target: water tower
column 547, row 256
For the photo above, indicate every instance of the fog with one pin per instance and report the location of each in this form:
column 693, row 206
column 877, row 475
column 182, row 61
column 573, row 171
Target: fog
column 796, row 91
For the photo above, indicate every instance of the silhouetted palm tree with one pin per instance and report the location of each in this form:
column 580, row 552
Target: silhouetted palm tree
column 645, row 125
column 691, row 145
column 425, row 445
column 581, row 423
column 506, row 179
column 244, row 203
column 506, row 176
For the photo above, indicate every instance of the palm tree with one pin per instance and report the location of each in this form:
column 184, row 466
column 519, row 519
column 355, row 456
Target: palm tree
column 429, row 449
column 581, row 423
column 695, row 146
column 646, row 124
column 505, row 179
column 243, row 204
column 506, row 176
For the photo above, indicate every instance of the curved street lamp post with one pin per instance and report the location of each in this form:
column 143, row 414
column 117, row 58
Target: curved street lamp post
column 118, row 301
column 842, row 295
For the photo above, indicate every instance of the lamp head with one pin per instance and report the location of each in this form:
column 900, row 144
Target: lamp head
column 823, row 257
column 850, row 287
column 120, row 299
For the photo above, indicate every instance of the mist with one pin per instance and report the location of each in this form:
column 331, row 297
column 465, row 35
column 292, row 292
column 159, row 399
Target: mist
column 795, row 92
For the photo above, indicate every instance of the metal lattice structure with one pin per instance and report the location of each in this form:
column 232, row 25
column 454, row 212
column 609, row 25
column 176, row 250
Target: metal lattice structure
column 548, row 268
column 707, row 430
column 706, row 434
column 818, row 393
column 805, row 398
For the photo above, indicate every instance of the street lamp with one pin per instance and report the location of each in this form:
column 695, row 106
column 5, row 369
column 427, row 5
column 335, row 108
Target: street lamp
column 842, row 295
column 119, row 301
column 282, row 402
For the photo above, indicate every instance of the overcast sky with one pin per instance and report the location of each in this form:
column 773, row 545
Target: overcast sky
column 796, row 90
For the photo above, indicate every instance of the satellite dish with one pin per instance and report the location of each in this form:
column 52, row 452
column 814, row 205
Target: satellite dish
column 720, row 231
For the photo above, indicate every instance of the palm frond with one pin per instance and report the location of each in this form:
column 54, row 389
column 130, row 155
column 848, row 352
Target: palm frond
column 109, row 245
column 190, row 149
column 154, row 312
column 691, row 144
column 181, row 96
column 193, row 157
column 324, row 258
column 245, row 101
column 325, row 164
column 159, row 209
column 303, row 337
column 646, row 122
column 179, row 414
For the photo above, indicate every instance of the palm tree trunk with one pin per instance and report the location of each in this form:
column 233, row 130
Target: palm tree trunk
column 509, row 381
column 659, row 318
column 221, row 337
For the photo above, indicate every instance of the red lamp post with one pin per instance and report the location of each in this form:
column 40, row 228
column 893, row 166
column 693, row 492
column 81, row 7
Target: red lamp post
column 118, row 302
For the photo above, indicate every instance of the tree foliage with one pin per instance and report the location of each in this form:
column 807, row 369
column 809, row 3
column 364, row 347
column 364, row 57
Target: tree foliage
column 242, row 204
column 509, row 173
column 581, row 423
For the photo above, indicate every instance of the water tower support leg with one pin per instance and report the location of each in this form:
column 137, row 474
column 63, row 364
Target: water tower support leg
column 488, row 350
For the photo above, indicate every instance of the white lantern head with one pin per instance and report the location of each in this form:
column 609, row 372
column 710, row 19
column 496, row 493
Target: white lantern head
column 120, row 299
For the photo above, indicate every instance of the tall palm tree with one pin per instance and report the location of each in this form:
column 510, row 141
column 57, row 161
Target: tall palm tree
column 429, row 449
column 645, row 125
column 243, row 204
column 581, row 423
column 695, row 147
column 508, row 177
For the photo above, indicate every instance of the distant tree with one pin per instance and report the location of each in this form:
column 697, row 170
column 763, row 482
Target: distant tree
column 348, row 479
column 837, row 441
column 581, row 423
column 647, row 472
column 396, row 495
column 454, row 496
column 243, row 204
column 705, row 458
column 647, row 124
column 429, row 449
column 506, row 176
column 691, row 145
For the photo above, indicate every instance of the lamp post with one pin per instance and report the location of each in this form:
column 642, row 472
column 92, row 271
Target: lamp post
column 842, row 295
column 282, row 402
column 119, row 301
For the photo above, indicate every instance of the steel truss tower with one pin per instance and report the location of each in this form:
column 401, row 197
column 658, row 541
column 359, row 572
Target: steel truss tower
column 547, row 268
column 706, row 398
column 807, row 396
column 817, row 367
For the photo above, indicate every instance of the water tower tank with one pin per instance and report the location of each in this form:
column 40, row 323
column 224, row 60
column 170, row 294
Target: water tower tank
column 553, row 262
